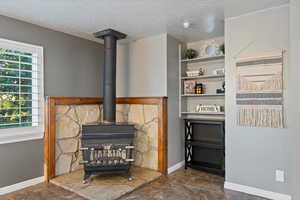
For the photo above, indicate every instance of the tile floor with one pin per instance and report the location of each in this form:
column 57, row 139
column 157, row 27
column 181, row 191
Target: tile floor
column 180, row 185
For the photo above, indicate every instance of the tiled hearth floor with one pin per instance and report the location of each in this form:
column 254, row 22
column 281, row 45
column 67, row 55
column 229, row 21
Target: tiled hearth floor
column 105, row 187
column 180, row 185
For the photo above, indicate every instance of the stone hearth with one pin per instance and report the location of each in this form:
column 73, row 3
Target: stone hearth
column 105, row 187
column 69, row 119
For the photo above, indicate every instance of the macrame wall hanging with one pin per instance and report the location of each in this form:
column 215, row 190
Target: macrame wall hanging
column 259, row 95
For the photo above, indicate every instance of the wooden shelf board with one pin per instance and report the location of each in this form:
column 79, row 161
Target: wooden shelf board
column 213, row 168
column 202, row 77
column 202, row 59
column 209, row 145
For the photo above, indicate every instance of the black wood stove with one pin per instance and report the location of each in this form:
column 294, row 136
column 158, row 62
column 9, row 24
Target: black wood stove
column 108, row 147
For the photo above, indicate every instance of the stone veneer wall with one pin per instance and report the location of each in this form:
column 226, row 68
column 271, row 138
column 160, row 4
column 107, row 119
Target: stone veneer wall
column 69, row 119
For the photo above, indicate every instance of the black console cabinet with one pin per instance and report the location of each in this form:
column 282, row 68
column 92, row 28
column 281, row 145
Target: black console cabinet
column 205, row 145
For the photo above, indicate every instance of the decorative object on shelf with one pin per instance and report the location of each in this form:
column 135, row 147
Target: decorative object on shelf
column 189, row 87
column 259, row 95
column 208, row 108
column 222, row 48
column 220, row 71
column 210, row 48
column 190, row 54
column 222, row 90
column 199, row 88
column 193, row 73
column 201, row 72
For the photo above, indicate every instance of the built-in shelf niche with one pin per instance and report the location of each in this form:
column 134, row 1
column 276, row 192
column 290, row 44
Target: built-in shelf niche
column 210, row 80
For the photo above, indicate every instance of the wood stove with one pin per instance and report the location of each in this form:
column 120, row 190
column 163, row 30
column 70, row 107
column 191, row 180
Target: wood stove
column 108, row 147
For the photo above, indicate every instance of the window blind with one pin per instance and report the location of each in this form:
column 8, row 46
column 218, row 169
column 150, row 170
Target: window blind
column 19, row 88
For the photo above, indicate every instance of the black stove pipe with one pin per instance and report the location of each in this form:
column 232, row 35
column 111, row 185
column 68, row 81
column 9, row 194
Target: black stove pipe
column 110, row 54
column 109, row 105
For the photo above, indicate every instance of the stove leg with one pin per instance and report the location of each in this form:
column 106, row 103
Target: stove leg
column 129, row 175
column 86, row 177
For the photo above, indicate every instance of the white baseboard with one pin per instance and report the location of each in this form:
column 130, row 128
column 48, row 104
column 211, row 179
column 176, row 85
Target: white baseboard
column 175, row 167
column 21, row 185
column 256, row 191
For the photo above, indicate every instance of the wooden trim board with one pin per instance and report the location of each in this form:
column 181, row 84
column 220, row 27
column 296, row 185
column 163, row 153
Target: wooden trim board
column 50, row 126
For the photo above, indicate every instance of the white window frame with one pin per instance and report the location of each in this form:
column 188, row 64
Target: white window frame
column 12, row 135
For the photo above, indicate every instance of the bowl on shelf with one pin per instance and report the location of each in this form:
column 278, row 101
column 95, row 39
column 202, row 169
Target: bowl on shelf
column 193, row 73
column 220, row 71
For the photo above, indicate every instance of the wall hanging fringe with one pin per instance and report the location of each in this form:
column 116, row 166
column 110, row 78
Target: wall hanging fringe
column 259, row 95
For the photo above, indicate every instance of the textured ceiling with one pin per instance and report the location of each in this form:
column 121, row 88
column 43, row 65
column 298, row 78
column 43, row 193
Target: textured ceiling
column 238, row 7
column 136, row 18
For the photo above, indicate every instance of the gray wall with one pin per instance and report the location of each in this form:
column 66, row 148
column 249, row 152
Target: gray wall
column 142, row 67
column 294, row 88
column 149, row 67
column 123, row 73
column 72, row 67
column 21, row 161
column 175, row 124
column 253, row 154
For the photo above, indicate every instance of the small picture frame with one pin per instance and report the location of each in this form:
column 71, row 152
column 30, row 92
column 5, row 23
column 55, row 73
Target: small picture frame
column 189, row 87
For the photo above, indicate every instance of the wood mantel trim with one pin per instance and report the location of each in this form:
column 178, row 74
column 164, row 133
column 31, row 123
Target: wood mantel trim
column 50, row 126
column 96, row 100
column 49, row 141
column 163, row 136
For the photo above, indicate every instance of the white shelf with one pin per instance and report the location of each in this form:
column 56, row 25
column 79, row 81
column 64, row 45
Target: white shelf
column 211, row 81
column 202, row 113
column 202, row 59
column 204, row 117
column 202, row 77
column 202, row 95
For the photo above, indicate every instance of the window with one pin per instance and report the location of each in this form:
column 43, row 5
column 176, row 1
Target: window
column 21, row 88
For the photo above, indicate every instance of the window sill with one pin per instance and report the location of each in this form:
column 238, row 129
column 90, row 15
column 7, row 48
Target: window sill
column 6, row 139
